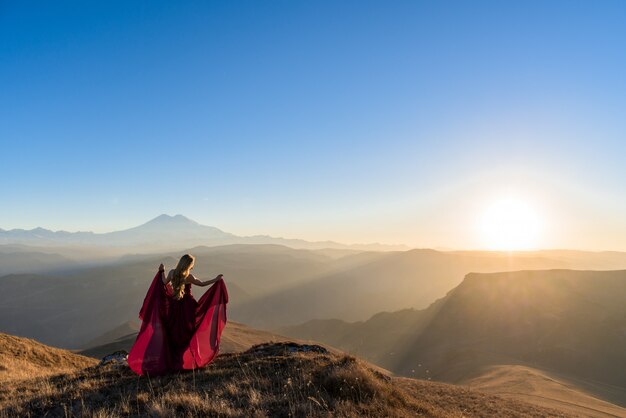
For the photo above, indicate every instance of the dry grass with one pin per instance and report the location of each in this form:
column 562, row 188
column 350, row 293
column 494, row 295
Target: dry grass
column 264, row 381
column 23, row 358
column 547, row 389
column 462, row 402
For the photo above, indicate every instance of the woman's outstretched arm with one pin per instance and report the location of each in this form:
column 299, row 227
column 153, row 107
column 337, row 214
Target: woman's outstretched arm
column 165, row 279
column 197, row 282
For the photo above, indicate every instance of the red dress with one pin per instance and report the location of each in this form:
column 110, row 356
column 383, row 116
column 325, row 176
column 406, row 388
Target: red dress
column 178, row 334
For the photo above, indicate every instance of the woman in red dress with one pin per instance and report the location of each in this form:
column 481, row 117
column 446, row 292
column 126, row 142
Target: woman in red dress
column 178, row 332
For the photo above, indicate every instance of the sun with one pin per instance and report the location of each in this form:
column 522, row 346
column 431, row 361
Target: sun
column 510, row 224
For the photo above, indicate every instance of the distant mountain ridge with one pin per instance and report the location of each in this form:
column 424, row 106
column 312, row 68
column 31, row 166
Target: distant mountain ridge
column 168, row 232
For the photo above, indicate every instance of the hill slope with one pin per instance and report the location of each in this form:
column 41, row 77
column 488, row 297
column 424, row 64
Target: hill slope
column 547, row 389
column 23, row 358
column 568, row 322
column 278, row 379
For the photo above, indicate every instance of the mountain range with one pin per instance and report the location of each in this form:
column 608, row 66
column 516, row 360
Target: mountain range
column 271, row 286
column 164, row 233
column 361, row 285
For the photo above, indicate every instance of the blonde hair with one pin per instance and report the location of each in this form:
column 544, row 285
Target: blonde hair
column 180, row 274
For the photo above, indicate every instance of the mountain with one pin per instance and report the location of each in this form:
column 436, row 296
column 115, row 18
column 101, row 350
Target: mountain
column 273, row 379
column 164, row 233
column 570, row 324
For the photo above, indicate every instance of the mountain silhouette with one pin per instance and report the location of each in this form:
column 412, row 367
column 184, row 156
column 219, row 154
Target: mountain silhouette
column 165, row 232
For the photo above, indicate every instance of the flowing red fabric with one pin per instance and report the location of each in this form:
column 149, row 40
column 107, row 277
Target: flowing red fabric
column 176, row 334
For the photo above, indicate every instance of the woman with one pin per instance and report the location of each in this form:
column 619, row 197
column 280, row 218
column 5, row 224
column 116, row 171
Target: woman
column 178, row 332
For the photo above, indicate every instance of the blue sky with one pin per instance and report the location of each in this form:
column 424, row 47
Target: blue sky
column 354, row 121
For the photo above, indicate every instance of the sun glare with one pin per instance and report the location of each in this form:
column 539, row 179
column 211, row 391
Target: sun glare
column 510, row 224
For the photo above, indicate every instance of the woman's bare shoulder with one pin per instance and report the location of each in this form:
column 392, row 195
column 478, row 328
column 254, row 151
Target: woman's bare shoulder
column 190, row 278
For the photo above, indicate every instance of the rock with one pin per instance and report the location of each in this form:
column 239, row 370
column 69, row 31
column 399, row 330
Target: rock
column 118, row 358
column 285, row 348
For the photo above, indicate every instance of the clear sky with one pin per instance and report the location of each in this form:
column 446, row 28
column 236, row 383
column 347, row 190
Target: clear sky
column 356, row 121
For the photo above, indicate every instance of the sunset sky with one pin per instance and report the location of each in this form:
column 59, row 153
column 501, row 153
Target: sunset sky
column 428, row 123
